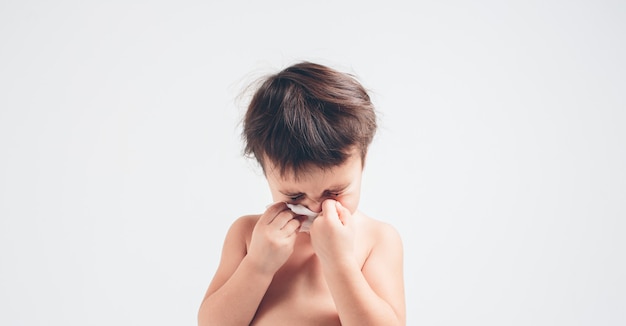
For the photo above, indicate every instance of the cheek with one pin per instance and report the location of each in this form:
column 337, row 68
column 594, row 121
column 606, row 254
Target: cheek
column 350, row 202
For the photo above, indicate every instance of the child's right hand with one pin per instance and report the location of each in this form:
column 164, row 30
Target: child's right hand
column 273, row 238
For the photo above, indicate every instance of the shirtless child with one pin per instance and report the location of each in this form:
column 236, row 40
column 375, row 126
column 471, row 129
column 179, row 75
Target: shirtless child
column 309, row 127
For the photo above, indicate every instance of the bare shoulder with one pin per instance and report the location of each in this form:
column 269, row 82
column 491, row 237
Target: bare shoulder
column 234, row 249
column 245, row 222
column 242, row 227
column 379, row 232
column 383, row 267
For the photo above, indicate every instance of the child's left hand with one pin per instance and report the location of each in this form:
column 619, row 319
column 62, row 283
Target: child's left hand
column 332, row 234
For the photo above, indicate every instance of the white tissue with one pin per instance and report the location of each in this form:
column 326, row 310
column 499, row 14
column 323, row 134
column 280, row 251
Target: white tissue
column 301, row 210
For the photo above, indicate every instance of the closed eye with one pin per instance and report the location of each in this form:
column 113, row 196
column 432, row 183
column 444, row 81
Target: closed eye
column 300, row 196
column 332, row 194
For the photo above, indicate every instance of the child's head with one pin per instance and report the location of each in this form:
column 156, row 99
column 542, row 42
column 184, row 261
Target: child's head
column 308, row 116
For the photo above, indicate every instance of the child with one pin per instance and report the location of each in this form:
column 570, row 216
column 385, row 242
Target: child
column 309, row 127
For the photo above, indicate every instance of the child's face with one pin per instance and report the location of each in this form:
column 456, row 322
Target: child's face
column 341, row 183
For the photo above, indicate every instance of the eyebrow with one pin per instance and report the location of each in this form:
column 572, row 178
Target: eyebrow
column 337, row 188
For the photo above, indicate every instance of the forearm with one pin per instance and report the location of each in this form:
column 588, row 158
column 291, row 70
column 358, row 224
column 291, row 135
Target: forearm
column 356, row 302
column 236, row 302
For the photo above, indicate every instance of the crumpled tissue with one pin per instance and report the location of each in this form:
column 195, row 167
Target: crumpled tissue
column 301, row 210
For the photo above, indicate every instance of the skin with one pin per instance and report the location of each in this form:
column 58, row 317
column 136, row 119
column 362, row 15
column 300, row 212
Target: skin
column 346, row 271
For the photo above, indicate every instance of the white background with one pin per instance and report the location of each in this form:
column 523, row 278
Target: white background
column 500, row 157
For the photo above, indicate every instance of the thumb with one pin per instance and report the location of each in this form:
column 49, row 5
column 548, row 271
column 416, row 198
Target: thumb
column 343, row 213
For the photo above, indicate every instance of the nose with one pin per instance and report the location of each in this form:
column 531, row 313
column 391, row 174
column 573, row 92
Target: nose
column 313, row 205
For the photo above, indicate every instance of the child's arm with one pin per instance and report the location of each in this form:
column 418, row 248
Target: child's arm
column 373, row 294
column 244, row 275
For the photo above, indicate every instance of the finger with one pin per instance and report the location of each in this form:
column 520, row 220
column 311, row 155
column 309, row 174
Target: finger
column 291, row 226
column 283, row 218
column 272, row 212
column 329, row 209
column 343, row 213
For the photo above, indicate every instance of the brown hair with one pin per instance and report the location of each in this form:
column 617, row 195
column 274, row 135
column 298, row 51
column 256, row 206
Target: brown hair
column 308, row 115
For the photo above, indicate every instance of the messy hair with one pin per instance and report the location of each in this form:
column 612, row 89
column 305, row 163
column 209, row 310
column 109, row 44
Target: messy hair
column 308, row 115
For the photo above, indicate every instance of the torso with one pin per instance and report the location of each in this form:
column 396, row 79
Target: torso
column 298, row 294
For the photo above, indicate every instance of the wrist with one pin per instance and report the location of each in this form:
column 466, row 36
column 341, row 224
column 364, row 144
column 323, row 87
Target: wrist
column 346, row 263
column 258, row 267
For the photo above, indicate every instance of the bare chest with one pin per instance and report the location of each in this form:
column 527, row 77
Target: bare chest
column 298, row 295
